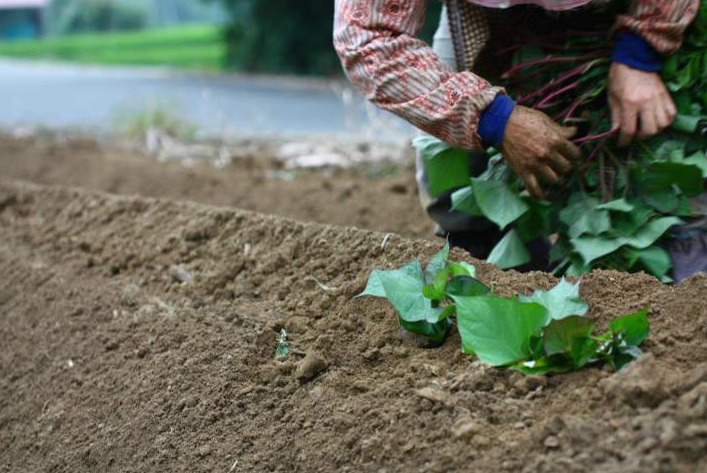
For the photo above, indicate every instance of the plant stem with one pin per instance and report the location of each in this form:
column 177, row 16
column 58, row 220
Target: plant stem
column 564, row 89
column 567, row 75
column 600, row 136
column 548, row 60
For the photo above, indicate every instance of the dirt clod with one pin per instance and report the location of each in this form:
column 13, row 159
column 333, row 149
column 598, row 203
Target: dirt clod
column 309, row 367
column 465, row 427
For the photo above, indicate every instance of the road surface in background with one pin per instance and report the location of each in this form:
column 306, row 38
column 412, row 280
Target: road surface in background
column 72, row 96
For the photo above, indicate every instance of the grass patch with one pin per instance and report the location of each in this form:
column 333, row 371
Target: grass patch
column 199, row 47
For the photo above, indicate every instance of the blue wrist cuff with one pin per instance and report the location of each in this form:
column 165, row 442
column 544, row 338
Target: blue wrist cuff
column 634, row 51
column 493, row 120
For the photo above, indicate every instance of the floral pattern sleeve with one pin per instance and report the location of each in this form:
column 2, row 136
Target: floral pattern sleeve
column 660, row 22
column 376, row 42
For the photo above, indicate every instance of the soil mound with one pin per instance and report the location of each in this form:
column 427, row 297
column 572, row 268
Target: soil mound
column 378, row 197
column 138, row 335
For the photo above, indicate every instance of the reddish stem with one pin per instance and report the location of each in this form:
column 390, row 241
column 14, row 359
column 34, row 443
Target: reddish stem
column 565, row 76
column 549, row 60
column 595, row 137
column 572, row 108
column 564, row 89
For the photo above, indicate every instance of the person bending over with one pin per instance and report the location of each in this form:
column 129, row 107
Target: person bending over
column 376, row 42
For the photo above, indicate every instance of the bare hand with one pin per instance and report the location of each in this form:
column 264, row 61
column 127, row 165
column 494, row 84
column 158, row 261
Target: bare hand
column 537, row 148
column 638, row 97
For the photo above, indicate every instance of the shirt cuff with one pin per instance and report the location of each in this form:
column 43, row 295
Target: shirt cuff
column 634, row 51
column 493, row 120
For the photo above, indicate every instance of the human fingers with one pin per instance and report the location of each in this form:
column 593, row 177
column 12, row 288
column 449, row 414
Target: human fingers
column 531, row 183
column 567, row 131
column 615, row 114
column 661, row 117
column 629, row 117
column 670, row 109
column 568, row 149
column 547, row 173
column 558, row 163
column 647, row 118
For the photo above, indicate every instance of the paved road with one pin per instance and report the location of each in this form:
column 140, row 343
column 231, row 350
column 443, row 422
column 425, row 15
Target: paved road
column 60, row 95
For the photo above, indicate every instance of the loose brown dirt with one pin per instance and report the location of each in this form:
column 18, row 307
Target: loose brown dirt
column 380, row 198
column 110, row 363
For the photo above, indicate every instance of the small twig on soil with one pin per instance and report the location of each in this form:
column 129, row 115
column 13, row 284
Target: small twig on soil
column 385, row 240
column 324, row 287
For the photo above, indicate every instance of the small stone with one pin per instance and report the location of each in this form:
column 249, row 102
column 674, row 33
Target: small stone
column 481, row 440
column 310, row 366
column 297, row 324
column 204, row 450
column 317, row 392
column 552, row 442
column 433, row 393
column 465, row 427
column 180, row 274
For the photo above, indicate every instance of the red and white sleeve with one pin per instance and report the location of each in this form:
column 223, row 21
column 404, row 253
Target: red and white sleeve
column 660, row 22
column 376, row 42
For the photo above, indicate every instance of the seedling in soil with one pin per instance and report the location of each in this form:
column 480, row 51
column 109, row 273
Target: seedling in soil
column 543, row 333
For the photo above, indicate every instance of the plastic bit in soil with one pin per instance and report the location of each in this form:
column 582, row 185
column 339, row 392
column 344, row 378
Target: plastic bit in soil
column 283, row 348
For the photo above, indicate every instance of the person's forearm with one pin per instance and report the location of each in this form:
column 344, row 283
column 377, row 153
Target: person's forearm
column 381, row 56
column 660, row 24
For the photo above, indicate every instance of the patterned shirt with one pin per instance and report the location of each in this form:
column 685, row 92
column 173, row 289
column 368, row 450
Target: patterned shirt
column 376, row 42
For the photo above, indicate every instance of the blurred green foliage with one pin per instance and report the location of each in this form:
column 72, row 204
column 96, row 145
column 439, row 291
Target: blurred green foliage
column 80, row 16
column 189, row 47
column 272, row 36
column 63, row 17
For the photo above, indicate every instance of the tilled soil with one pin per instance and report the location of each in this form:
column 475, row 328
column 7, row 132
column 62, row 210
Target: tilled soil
column 138, row 335
column 382, row 198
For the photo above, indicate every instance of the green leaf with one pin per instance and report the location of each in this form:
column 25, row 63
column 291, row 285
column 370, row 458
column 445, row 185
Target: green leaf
column 576, row 206
column 592, row 222
column 463, row 200
column 437, row 263
column 498, row 330
column 591, row 248
column 686, row 123
column 466, row 286
column 509, row 252
column 699, row 159
column 663, row 175
column 634, row 327
column 655, row 260
column 570, row 337
column 403, row 288
column 539, row 221
column 462, row 269
column 619, row 205
column 374, row 287
column 429, row 146
column 667, row 148
column 498, row 202
column 543, row 366
column 435, row 291
column 663, row 200
column 627, row 224
column 561, row 301
column 448, row 311
column 650, row 232
column 447, row 168
column 436, row 332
